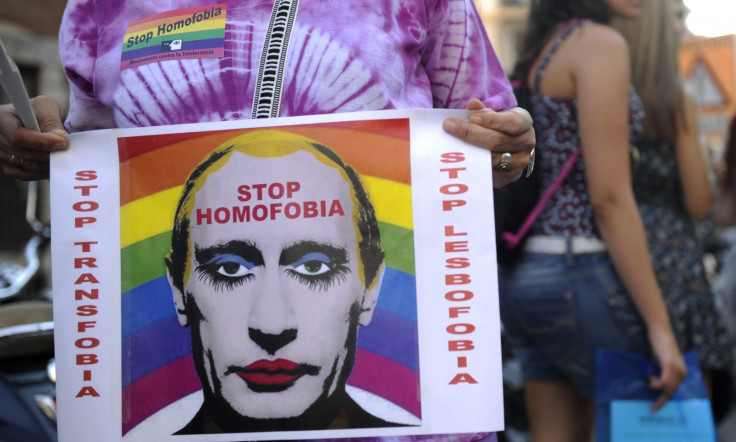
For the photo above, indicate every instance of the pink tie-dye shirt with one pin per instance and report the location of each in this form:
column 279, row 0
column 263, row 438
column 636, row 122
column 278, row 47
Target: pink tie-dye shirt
column 340, row 56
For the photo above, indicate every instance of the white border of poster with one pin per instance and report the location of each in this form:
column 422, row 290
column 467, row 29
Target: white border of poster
column 459, row 330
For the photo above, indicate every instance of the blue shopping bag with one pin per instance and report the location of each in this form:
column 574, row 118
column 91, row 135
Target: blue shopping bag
column 623, row 400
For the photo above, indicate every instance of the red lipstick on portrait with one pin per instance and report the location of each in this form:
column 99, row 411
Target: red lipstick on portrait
column 273, row 376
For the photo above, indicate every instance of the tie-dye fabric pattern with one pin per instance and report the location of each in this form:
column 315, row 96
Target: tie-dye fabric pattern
column 342, row 57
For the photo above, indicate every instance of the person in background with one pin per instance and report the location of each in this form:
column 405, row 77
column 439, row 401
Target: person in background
column 671, row 185
column 585, row 280
column 127, row 67
column 680, row 12
column 724, row 285
column 725, row 208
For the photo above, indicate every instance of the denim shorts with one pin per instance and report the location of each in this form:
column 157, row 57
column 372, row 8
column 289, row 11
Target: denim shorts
column 558, row 310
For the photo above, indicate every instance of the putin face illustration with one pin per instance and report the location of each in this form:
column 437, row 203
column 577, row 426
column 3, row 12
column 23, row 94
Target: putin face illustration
column 275, row 263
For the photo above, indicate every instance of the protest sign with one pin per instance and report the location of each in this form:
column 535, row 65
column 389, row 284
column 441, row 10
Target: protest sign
column 293, row 278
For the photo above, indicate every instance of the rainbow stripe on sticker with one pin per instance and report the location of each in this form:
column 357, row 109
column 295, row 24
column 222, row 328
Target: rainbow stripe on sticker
column 157, row 365
column 191, row 33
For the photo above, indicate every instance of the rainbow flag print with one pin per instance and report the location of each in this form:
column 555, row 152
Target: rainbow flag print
column 191, row 33
column 157, row 366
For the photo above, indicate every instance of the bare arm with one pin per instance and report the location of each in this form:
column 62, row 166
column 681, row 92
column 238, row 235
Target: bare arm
column 692, row 164
column 601, row 75
column 725, row 210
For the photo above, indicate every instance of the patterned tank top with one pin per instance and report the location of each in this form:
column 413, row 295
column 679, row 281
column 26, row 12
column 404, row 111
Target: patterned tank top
column 568, row 212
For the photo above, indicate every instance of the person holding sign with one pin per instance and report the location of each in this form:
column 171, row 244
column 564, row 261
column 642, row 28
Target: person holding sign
column 274, row 279
column 144, row 63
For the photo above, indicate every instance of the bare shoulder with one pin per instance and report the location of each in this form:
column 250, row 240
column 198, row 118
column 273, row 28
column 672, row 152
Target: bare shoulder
column 598, row 50
column 595, row 38
column 591, row 53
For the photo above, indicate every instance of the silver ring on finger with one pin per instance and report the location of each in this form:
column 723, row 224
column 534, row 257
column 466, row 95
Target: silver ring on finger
column 18, row 163
column 505, row 162
column 530, row 165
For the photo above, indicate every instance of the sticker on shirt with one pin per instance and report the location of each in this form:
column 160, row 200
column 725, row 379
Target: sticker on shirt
column 191, row 33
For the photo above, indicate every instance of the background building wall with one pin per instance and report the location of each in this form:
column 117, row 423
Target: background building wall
column 505, row 22
column 709, row 66
column 28, row 29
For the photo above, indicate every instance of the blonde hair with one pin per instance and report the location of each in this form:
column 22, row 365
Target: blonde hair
column 269, row 144
column 655, row 69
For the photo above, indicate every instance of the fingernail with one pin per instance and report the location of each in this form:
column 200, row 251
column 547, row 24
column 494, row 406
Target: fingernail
column 475, row 119
column 449, row 125
column 60, row 146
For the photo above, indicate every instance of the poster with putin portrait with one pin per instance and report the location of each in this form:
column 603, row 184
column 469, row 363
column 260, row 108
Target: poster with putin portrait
column 302, row 278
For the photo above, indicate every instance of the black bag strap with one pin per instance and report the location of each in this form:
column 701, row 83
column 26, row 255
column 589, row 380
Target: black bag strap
column 513, row 239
